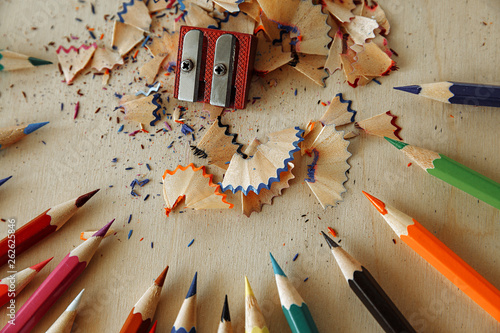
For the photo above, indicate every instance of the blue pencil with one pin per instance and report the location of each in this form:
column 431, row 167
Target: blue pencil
column 10, row 135
column 186, row 319
column 3, row 181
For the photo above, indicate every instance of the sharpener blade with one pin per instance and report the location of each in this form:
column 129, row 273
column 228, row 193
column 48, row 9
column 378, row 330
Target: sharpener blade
column 222, row 76
column 189, row 75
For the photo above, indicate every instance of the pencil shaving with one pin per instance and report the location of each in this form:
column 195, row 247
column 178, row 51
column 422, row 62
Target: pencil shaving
column 143, row 110
column 193, row 185
column 135, row 13
column 105, row 58
column 341, row 9
column 269, row 57
column 311, row 66
column 150, row 69
column 382, row 125
column 73, row 60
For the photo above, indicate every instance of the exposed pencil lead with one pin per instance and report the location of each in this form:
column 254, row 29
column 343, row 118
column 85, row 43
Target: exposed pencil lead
column 161, row 278
column 396, row 143
column 82, row 200
column 248, row 288
column 225, row 317
column 276, row 268
column 33, row 127
column 101, row 232
column 2, row 181
column 413, row 89
column 38, row 62
column 331, row 243
column 38, row 267
column 192, row 288
column 379, row 204
column 74, row 304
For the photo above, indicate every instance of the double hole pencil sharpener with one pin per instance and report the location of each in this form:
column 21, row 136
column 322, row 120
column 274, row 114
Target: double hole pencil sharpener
column 214, row 66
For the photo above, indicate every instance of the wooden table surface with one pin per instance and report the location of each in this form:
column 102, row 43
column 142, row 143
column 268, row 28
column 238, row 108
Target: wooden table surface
column 435, row 40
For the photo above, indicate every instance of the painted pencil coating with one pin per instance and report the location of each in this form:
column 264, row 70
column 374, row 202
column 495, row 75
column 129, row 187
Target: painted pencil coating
column 296, row 311
column 444, row 260
column 43, row 225
column 254, row 320
column 142, row 313
column 453, row 173
column 10, row 135
column 64, row 323
column 369, row 292
column 186, row 319
column 55, row 285
column 21, row 279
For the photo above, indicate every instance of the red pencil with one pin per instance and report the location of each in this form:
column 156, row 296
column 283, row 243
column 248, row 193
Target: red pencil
column 153, row 328
column 61, row 278
column 141, row 316
column 40, row 227
column 19, row 280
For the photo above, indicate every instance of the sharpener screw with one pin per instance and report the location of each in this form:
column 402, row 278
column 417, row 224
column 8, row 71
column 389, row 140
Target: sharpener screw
column 220, row 69
column 187, row 65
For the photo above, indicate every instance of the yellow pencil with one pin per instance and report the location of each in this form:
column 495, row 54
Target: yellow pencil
column 254, row 320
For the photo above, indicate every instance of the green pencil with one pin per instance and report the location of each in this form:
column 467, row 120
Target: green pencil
column 453, row 173
column 10, row 61
column 295, row 309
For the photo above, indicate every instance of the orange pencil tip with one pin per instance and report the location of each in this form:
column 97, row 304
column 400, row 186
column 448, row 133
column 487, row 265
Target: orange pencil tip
column 379, row 204
column 40, row 266
column 161, row 278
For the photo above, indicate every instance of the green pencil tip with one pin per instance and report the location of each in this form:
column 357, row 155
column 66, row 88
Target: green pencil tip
column 39, row 62
column 396, row 143
column 276, row 268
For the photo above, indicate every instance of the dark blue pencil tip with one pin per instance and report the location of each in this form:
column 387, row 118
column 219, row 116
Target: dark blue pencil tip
column 410, row 89
column 192, row 289
column 3, row 181
column 33, row 127
column 276, row 268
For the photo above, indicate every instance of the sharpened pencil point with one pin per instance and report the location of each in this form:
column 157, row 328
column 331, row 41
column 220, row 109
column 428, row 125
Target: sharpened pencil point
column 276, row 268
column 225, row 312
column 82, row 200
column 161, row 278
column 413, row 89
column 101, row 232
column 3, row 181
column 33, row 127
column 74, row 305
column 248, row 289
column 331, row 243
column 38, row 62
column 379, row 204
column 153, row 328
column 40, row 266
column 192, row 288
column 396, row 143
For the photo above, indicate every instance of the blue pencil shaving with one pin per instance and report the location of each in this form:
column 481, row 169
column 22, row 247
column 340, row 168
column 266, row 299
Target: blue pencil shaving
column 295, row 257
column 133, row 193
column 130, row 233
column 186, row 129
column 117, row 95
column 145, row 41
column 146, row 197
column 121, row 128
column 114, row 160
column 129, row 168
column 129, row 218
column 306, row 279
column 191, row 242
column 147, row 166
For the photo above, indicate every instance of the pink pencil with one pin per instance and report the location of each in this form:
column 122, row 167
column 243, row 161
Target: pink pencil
column 61, row 278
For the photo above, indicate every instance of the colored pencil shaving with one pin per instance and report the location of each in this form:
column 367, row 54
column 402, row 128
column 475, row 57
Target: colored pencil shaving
column 225, row 319
column 64, row 323
column 43, row 225
column 141, row 315
column 457, row 93
column 61, row 278
column 254, row 320
column 20, row 280
column 369, row 292
column 295, row 309
column 10, row 135
column 11, row 61
column 186, row 319
column 441, row 257
column 453, row 173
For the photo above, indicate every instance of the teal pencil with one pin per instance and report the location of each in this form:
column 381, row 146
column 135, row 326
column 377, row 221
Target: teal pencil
column 10, row 135
column 186, row 319
column 295, row 309
column 10, row 61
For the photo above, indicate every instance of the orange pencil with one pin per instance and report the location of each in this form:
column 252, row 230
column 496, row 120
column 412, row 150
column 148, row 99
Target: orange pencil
column 40, row 227
column 18, row 281
column 441, row 257
column 142, row 313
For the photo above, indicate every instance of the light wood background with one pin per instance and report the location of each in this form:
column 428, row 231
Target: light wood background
column 436, row 41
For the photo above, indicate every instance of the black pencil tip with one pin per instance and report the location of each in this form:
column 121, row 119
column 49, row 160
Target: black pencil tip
column 329, row 241
column 225, row 312
column 410, row 89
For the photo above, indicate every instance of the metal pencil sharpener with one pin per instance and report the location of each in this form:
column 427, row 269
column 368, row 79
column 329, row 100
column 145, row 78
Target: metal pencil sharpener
column 214, row 66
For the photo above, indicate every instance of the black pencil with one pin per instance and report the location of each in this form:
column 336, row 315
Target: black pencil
column 225, row 320
column 369, row 291
column 457, row 93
